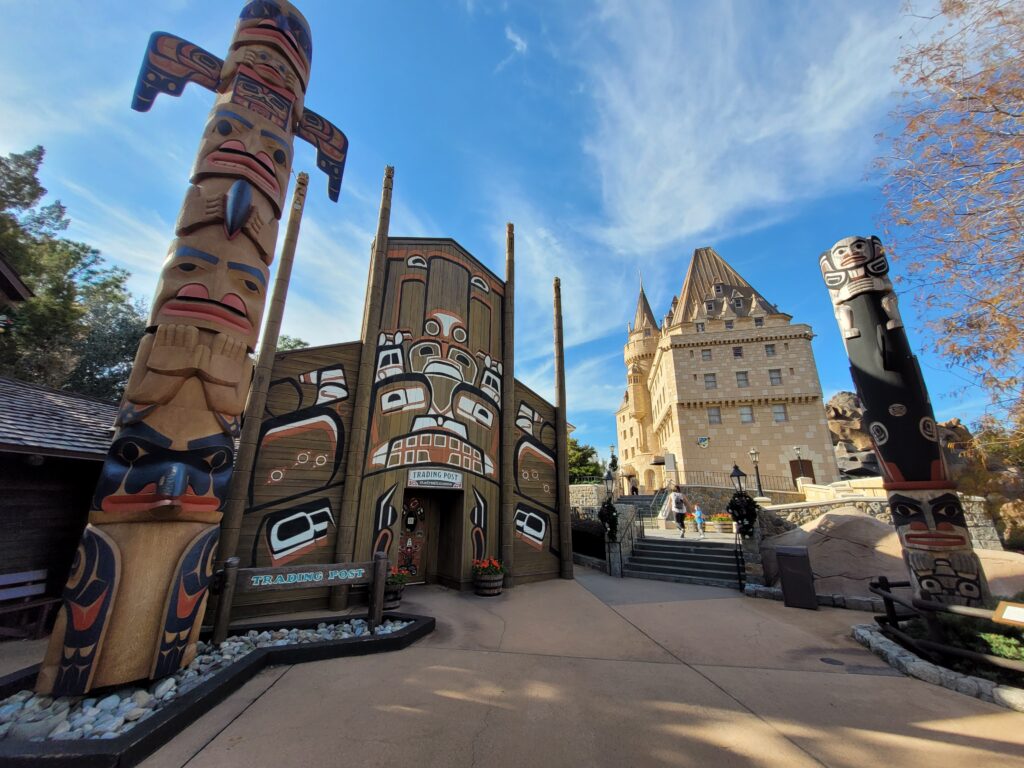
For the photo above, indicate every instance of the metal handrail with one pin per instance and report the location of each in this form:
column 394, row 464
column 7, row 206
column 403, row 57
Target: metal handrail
column 925, row 609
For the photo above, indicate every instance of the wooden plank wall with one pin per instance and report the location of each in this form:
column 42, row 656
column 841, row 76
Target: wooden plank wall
column 438, row 353
column 537, row 538
column 295, row 495
column 43, row 511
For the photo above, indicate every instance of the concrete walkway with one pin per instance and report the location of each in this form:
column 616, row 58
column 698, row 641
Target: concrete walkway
column 604, row 672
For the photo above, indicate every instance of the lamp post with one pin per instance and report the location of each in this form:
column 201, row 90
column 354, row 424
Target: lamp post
column 609, row 483
column 799, row 461
column 737, row 476
column 757, row 471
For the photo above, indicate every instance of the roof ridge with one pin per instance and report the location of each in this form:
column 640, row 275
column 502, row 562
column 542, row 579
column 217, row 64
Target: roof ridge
column 65, row 392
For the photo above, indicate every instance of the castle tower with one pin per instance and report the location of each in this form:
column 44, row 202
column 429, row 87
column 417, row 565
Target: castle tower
column 726, row 372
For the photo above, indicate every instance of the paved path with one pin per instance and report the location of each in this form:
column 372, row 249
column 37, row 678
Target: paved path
column 603, row 672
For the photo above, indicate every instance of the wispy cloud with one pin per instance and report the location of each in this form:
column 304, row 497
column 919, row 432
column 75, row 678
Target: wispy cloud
column 519, row 47
column 704, row 113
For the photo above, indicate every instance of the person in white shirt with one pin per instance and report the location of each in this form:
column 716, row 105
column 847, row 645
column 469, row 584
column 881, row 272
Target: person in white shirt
column 678, row 506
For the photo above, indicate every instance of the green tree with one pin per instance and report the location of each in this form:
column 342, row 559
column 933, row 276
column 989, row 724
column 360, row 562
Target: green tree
column 286, row 343
column 81, row 328
column 583, row 461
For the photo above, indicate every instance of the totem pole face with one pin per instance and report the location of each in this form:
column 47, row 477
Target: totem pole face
column 277, row 24
column 853, row 266
column 223, row 291
column 438, row 402
column 148, row 472
column 250, row 138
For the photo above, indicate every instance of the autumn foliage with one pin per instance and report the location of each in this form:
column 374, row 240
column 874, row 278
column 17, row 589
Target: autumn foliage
column 955, row 190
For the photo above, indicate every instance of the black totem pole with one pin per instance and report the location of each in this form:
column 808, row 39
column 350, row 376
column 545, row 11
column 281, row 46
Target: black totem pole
column 926, row 510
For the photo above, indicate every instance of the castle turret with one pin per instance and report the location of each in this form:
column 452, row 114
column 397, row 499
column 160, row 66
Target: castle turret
column 640, row 348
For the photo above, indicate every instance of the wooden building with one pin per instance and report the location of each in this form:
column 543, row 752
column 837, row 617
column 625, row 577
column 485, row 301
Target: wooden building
column 415, row 440
column 52, row 446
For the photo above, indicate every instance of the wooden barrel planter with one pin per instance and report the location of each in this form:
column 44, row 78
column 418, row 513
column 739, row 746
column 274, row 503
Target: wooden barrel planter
column 488, row 584
column 393, row 596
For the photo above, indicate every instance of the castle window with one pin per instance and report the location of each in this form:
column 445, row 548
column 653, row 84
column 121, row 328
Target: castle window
column 737, row 352
column 714, row 415
column 705, row 355
column 779, row 413
column 718, row 289
column 691, row 353
column 710, row 306
column 746, row 414
column 759, row 322
column 728, row 325
column 742, row 379
column 738, row 303
column 710, row 382
column 769, row 350
column 775, row 376
column 700, row 327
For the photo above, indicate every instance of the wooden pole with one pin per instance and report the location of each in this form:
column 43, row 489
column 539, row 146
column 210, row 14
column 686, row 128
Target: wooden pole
column 375, row 612
column 508, row 412
column 223, row 620
column 345, row 542
column 562, row 441
column 252, row 418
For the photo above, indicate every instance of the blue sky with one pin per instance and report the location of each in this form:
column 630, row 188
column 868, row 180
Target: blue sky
column 617, row 136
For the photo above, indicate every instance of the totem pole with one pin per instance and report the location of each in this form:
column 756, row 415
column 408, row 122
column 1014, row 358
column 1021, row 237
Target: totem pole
column 134, row 602
column 926, row 510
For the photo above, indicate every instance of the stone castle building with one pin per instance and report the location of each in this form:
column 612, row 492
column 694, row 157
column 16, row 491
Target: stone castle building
column 724, row 372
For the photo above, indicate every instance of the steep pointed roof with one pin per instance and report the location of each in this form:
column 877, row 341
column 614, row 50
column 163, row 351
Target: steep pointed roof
column 713, row 289
column 644, row 317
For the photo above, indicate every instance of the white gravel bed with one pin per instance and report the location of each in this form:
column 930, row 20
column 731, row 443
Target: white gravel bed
column 28, row 716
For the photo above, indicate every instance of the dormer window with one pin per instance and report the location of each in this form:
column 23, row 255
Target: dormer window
column 728, row 325
column 738, row 303
column 759, row 322
column 700, row 327
column 718, row 289
column 710, row 306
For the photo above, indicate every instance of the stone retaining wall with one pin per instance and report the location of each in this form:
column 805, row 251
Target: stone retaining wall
column 586, row 495
column 779, row 518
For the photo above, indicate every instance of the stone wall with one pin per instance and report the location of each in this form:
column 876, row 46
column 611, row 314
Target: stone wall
column 714, row 499
column 586, row 495
column 780, row 518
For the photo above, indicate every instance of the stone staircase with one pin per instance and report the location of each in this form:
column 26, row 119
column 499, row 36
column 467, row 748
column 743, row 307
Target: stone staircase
column 642, row 502
column 684, row 560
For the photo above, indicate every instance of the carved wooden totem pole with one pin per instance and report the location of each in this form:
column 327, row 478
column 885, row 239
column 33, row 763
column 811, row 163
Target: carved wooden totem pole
column 134, row 601
column 926, row 510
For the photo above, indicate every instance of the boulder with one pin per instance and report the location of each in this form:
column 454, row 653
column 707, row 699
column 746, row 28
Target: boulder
column 848, row 549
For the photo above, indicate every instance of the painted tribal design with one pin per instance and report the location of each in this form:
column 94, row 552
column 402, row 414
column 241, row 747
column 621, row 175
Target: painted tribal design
column 88, row 599
column 186, row 600
column 926, row 511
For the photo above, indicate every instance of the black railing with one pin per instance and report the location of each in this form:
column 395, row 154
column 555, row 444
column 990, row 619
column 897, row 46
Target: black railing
column 717, row 479
column 936, row 644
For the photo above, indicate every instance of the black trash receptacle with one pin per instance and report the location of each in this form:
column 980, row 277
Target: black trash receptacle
column 797, row 577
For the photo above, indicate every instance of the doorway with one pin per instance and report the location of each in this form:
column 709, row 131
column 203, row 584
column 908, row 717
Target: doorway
column 801, row 468
column 429, row 540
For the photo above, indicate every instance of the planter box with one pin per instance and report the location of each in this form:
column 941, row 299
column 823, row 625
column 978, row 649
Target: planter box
column 488, row 585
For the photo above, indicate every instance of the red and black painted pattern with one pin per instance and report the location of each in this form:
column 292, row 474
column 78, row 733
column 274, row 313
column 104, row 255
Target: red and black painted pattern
column 88, row 598
column 171, row 63
column 184, row 601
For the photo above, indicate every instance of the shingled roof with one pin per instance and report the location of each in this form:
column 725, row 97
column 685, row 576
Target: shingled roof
column 35, row 419
column 707, row 270
column 644, row 317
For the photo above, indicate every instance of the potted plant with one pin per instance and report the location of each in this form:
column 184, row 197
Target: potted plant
column 488, row 576
column 394, row 585
column 721, row 522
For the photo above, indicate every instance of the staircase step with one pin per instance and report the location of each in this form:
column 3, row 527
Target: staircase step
column 681, row 579
column 695, row 562
column 683, row 545
column 683, row 569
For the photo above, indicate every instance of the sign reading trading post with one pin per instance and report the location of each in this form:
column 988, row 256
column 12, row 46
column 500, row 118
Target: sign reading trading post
column 303, row 576
column 434, row 478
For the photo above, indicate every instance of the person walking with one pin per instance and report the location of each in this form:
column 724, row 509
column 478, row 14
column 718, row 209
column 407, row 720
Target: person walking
column 698, row 518
column 678, row 504
column 634, row 489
